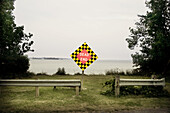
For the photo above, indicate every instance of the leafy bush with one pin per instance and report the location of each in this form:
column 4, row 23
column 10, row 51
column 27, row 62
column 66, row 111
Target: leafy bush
column 77, row 73
column 114, row 72
column 148, row 91
column 60, row 71
column 154, row 91
column 110, row 84
column 30, row 73
column 24, row 75
column 12, row 67
column 43, row 73
column 117, row 71
column 132, row 72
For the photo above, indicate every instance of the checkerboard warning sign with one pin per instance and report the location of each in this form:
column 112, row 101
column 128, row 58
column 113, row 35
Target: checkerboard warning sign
column 84, row 56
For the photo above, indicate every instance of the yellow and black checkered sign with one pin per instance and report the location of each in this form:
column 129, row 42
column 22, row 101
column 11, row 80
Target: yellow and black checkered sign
column 84, row 65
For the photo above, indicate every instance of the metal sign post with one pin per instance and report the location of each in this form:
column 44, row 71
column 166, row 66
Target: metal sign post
column 84, row 57
column 82, row 77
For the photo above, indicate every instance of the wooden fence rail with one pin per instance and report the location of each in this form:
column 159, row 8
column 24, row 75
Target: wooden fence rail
column 136, row 82
column 42, row 83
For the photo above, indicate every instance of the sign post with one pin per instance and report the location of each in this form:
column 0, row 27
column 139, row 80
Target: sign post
column 84, row 57
column 82, row 79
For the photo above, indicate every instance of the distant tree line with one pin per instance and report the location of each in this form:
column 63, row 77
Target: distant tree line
column 13, row 43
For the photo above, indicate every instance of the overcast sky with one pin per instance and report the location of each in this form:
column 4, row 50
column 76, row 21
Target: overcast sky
column 59, row 27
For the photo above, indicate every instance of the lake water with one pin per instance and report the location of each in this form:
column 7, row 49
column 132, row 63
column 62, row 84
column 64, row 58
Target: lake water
column 98, row 67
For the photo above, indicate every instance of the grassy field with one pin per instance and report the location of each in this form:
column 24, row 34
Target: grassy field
column 22, row 99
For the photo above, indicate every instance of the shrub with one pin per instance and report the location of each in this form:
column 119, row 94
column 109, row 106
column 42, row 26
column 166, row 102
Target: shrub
column 12, row 67
column 43, row 73
column 30, row 73
column 60, row 71
column 77, row 73
column 114, row 72
column 110, row 84
column 149, row 91
column 133, row 72
column 24, row 75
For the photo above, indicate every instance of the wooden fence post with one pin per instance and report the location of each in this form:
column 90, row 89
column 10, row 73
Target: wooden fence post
column 117, row 87
column 37, row 90
column 77, row 90
column 163, row 82
column 82, row 79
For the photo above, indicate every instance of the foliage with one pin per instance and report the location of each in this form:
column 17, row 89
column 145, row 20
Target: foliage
column 43, row 73
column 120, row 72
column 149, row 91
column 152, row 36
column 77, row 73
column 133, row 72
column 30, row 74
column 13, row 42
column 60, row 71
column 111, row 85
column 14, row 66
column 114, row 72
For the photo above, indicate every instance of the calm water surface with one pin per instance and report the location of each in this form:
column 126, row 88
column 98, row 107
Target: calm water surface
column 98, row 67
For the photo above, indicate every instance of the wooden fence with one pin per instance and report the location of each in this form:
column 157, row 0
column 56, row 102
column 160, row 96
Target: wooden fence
column 42, row 83
column 136, row 82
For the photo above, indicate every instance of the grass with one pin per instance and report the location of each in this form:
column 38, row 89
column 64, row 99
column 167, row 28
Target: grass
column 22, row 99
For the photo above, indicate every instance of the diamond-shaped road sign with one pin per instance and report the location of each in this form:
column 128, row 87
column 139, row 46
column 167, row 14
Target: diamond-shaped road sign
column 84, row 56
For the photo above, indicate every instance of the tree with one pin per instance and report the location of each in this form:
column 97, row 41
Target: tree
column 13, row 41
column 152, row 36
